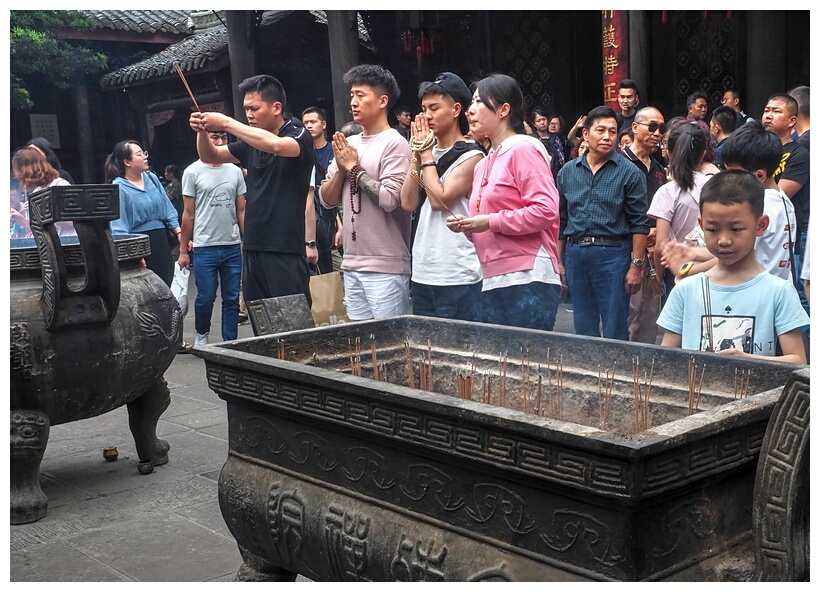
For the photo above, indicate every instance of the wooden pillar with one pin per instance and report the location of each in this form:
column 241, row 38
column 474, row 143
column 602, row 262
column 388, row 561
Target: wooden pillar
column 639, row 41
column 766, row 54
column 241, row 50
column 343, row 37
column 85, row 139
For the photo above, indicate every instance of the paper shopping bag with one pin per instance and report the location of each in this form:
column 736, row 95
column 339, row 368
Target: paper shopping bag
column 327, row 293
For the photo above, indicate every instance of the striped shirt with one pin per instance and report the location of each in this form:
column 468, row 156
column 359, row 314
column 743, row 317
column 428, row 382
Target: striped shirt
column 611, row 203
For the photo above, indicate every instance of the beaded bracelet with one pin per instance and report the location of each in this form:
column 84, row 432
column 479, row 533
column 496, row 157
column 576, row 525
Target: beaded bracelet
column 353, row 179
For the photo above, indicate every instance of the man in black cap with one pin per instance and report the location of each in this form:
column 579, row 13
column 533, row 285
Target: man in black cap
column 446, row 279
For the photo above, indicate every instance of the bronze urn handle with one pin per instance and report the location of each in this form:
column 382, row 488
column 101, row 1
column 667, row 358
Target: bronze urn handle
column 90, row 208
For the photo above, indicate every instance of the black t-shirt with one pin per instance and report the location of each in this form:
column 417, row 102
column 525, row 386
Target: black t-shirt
column 276, row 191
column 794, row 166
column 655, row 177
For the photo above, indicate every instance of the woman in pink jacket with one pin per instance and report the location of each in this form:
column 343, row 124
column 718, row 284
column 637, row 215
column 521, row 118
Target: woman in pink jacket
column 513, row 219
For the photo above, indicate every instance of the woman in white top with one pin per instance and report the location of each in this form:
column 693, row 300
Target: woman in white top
column 675, row 205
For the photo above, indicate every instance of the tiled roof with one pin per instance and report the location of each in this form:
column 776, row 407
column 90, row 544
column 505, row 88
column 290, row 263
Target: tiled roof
column 142, row 21
column 197, row 50
column 191, row 54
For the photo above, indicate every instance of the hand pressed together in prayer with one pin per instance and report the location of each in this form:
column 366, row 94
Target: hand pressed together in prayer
column 346, row 155
column 419, row 130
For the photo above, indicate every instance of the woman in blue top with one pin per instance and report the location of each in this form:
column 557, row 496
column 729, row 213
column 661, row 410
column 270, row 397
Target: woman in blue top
column 144, row 207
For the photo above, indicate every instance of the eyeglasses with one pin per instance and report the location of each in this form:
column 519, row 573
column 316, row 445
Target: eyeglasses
column 653, row 126
column 143, row 154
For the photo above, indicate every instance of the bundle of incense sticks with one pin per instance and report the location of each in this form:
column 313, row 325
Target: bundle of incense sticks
column 502, row 372
column 694, row 395
column 604, row 398
column 464, row 385
column 741, row 388
column 281, row 348
column 538, row 409
column 355, row 357
column 487, row 388
column 641, row 395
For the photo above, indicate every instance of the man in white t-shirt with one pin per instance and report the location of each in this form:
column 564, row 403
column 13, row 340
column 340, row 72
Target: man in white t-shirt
column 213, row 220
column 446, row 279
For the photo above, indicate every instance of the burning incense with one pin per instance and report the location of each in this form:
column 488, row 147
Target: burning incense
column 188, row 88
column 538, row 410
column 281, row 349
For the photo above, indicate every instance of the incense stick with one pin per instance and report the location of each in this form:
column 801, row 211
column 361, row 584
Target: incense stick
column 373, row 356
column 411, row 377
column 188, row 88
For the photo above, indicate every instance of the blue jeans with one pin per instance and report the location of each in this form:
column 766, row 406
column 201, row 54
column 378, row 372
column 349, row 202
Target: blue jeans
column 447, row 302
column 217, row 265
column 595, row 276
column 531, row 306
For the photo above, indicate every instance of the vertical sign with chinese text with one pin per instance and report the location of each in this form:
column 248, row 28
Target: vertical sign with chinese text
column 615, row 37
column 45, row 126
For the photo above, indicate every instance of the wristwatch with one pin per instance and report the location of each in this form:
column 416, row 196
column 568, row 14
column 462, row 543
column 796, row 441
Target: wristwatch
column 311, row 244
column 637, row 262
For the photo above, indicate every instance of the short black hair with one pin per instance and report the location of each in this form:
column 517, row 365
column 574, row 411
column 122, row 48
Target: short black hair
column 629, row 83
column 377, row 78
column 801, row 95
column 627, row 131
column 752, row 147
column 734, row 187
column 268, row 87
column 791, row 103
column 726, row 118
column 399, row 109
column 317, row 110
column 538, row 110
column 600, row 112
column 693, row 98
column 173, row 169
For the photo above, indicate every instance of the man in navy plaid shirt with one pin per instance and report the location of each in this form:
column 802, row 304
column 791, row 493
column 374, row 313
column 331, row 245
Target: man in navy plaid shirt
column 602, row 239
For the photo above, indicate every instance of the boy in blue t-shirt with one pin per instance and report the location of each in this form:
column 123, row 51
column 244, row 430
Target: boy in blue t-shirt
column 735, row 308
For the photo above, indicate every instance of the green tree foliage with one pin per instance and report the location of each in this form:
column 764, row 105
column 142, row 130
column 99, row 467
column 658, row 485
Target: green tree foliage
column 40, row 57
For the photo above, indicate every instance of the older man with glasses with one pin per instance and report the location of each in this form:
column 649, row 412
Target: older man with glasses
column 644, row 306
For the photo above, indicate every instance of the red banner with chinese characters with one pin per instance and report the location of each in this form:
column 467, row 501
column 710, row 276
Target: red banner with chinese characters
column 615, row 37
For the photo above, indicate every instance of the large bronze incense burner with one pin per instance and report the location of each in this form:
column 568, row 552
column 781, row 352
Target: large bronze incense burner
column 423, row 449
column 91, row 330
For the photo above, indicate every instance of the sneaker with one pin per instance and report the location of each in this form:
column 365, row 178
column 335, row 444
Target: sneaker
column 243, row 320
column 201, row 340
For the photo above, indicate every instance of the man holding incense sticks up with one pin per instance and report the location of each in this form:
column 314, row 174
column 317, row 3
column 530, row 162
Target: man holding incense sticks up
column 280, row 227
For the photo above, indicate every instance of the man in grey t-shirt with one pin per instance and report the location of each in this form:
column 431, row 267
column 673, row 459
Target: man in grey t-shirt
column 212, row 223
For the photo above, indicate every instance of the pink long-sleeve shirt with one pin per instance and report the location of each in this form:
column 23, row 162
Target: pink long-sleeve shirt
column 517, row 190
column 382, row 231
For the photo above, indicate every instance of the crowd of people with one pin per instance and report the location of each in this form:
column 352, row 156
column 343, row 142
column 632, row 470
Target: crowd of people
column 474, row 209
